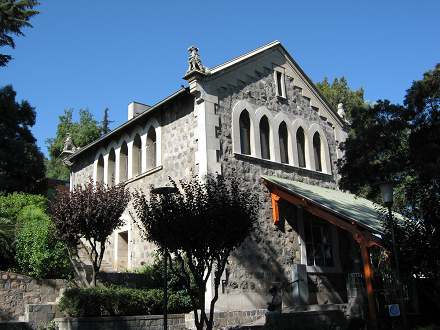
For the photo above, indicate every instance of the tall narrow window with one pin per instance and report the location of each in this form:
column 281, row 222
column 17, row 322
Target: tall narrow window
column 317, row 151
column 284, row 143
column 111, row 167
column 151, row 148
column 100, row 169
column 137, row 155
column 279, row 81
column 318, row 241
column 300, row 144
column 264, row 138
column 245, row 133
column 123, row 162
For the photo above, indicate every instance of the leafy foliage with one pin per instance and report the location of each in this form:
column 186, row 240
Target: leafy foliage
column 203, row 224
column 375, row 149
column 402, row 143
column 11, row 206
column 21, row 161
column 339, row 92
column 14, row 15
column 83, row 132
column 90, row 213
column 38, row 252
column 113, row 301
column 179, row 298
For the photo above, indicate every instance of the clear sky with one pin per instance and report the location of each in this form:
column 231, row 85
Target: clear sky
column 106, row 53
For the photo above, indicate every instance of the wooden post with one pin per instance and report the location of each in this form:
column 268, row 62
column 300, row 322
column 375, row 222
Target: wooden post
column 365, row 244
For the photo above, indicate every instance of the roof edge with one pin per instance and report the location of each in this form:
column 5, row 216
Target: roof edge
column 129, row 122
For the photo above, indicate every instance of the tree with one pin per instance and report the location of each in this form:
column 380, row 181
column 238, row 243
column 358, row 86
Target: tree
column 86, row 217
column 339, row 92
column 21, row 161
column 14, row 15
column 11, row 206
column 200, row 226
column 106, row 122
column 375, row 149
column 83, row 133
column 402, row 143
column 38, row 252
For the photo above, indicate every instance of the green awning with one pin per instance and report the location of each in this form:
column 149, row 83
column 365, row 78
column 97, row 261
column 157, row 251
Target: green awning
column 348, row 205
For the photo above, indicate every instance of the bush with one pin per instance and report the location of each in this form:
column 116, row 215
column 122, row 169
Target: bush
column 38, row 252
column 114, row 301
column 11, row 206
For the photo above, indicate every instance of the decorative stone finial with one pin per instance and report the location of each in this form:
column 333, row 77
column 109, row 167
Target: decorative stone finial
column 194, row 63
column 68, row 144
column 341, row 111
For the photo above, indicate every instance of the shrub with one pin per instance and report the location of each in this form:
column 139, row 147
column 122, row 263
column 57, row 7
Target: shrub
column 114, row 301
column 38, row 252
column 11, row 206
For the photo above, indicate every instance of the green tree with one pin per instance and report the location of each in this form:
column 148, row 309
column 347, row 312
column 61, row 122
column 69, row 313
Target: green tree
column 11, row 206
column 83, row 132
column 376, row 148
column 106, row 122
column 85, row 217
column 203, row 224
column 14, row 16
column 402, row 143
column 38, row 252
column 340, row 92
column 21, row 161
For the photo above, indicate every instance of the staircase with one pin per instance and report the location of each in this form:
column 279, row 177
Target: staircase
column 85, row 266
column 310, row 317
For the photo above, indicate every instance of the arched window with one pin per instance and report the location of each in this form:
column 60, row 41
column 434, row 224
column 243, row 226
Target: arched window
column 264, row 138
column 284, row 143
column 111, row 167
column 151, row 148
column 123, row 162
column 301, row 144
column 100, row 169
column 137, row 155
column 245, row 133
column 317, row 151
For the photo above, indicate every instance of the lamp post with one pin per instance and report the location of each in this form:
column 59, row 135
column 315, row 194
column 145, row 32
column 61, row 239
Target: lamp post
column 387, row 194
column 165, row 191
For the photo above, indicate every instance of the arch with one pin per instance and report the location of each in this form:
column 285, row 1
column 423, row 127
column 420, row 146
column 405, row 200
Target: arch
column 301, row 146
column 136, row 155
column 245, row 133
column 99, row 168
column 265, row 137
column 325, row 150
column 111, row 165
column 317, row 151
column 236, row 137
column 150, row 149
column 123, row 162
column 284, row 142
column 154, row 124
column 259, row 114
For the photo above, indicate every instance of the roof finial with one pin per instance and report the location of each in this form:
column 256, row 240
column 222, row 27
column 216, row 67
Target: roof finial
column 194, row 62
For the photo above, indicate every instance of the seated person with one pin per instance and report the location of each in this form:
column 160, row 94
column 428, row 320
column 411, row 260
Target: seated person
column 275, row 305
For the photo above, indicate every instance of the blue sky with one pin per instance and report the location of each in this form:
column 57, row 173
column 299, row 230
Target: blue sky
column 107, row 53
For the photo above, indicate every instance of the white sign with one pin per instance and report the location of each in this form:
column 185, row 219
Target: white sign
column 394, row 310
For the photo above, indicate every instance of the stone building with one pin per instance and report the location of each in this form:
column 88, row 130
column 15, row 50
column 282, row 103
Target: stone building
column 262, row 117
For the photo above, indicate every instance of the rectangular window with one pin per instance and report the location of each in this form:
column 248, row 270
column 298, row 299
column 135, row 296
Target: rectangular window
column 318, row 241
column 280, row 82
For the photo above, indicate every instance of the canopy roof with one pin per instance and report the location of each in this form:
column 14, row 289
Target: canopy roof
column 355, row 214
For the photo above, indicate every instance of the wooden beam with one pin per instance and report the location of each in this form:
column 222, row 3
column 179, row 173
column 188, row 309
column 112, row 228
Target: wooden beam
column 275, row 208
column 365, row 244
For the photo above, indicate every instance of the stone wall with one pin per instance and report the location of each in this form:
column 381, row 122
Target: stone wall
column 17, row 291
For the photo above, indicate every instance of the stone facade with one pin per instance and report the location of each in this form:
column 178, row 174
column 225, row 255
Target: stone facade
column 20, row 294
column 197, row 131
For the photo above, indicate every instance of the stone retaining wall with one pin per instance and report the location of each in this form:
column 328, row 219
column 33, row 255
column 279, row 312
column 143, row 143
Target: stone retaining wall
column 17, row 291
